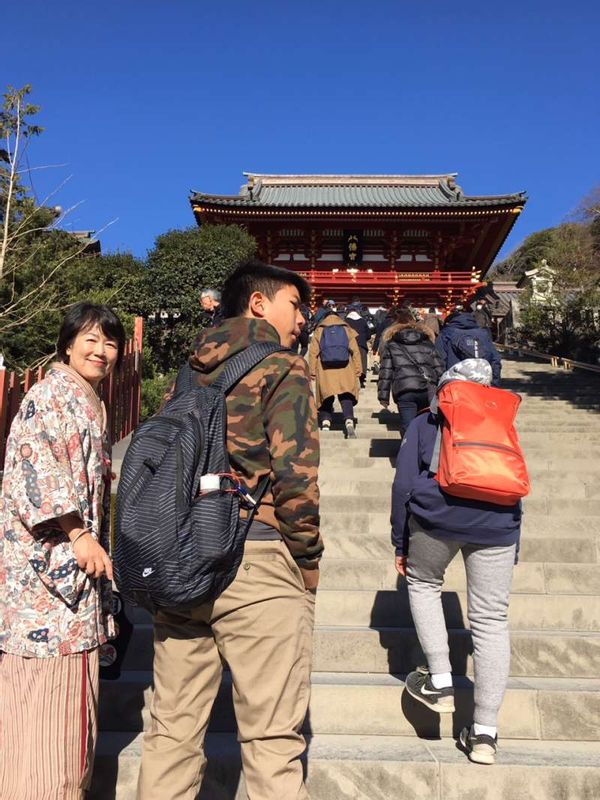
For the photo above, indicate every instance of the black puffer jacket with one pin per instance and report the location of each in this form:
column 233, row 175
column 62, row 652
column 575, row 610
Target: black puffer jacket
column 409, row 358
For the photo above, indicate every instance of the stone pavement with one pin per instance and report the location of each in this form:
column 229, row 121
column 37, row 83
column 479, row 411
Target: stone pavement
column 368, row 740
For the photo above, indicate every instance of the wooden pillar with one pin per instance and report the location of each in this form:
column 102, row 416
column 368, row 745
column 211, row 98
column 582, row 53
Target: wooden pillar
column 393, row 249
column 313, row 248
column 269, row 244
column 138, row 333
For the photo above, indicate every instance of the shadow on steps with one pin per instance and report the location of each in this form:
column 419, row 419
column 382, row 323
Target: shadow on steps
column 402, row 659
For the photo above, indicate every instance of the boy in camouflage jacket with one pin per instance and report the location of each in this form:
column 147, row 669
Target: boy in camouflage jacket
column 262, row 624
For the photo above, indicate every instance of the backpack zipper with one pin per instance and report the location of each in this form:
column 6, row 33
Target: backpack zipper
column 487, row 445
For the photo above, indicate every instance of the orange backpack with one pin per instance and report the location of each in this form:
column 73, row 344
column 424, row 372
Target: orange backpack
column 480, row 457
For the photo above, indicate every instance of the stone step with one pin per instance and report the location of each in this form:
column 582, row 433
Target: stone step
column 342, row 542
column 543, row 485
column 551, row 654
column 527, row 416
column 379, row 768
column 539, row 470
column 530, row 577
column 550, row 708
column 543, row 462
column 387, row 446
column 353, row 607
column 533, row 524
column 535, row 445
column 563, row 507
column 390, row 608
column 576, row 582
column 534, row 653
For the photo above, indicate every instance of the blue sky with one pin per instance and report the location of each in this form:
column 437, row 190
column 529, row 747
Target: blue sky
column 146, row 100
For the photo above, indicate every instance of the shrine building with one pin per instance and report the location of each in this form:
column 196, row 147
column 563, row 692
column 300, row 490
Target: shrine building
column 385, row 238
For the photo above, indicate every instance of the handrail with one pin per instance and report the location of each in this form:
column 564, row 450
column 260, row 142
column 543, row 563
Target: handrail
column 555, row 361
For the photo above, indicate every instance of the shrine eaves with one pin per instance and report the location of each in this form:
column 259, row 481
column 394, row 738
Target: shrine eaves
column 386, row 238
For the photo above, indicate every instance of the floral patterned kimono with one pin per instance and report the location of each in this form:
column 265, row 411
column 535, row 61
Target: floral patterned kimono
column 53, row 617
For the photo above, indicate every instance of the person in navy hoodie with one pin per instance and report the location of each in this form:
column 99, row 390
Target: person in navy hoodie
column 462, row 338
column 429, row 528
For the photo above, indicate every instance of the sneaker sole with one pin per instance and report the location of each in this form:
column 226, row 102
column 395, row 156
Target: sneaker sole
column 477, row 758
column 439, row 709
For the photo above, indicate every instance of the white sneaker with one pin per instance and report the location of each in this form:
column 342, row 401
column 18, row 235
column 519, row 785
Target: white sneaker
column 326, row 425
column 350, row 432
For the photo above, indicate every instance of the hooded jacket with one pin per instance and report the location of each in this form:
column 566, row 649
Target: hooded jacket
column 452, row 332
column 332, row 381
column 271, row 430
column 409, row 358
column 415, row 492
column 359, row 324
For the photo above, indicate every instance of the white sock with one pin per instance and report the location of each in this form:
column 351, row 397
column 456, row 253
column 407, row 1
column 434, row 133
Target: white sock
column 488, row 730
column 441, row 680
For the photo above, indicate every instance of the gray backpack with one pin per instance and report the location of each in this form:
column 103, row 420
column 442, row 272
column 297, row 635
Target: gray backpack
column 174, row 545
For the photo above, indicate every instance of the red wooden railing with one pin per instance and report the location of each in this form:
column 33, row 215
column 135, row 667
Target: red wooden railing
column 121, row 392
column 435, row 280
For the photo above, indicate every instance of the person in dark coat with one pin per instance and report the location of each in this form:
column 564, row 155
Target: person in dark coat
column 304, row 338
column 456, row 342
column 410, row 369
column 482, row 314
column 392, row 316
column 358, row 323
column 432, row 321
column 326, row 307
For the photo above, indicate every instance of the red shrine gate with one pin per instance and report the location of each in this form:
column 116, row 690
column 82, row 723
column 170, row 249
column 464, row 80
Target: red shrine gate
column 385, row 238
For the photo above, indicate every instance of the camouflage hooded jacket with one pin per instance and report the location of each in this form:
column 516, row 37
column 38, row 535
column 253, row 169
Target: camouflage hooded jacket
column 271, row 429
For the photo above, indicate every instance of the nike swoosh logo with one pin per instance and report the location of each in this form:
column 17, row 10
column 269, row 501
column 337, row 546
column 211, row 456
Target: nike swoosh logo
column 426, row 691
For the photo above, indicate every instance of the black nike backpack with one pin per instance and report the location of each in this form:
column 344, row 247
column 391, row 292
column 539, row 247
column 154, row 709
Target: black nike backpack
column 177, row 546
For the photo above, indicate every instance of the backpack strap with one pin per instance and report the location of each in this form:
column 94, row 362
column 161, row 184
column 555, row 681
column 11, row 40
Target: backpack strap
column 243, row 362
column 427, row 378
column 435, row 458
column 238, row 366
column 186, row 379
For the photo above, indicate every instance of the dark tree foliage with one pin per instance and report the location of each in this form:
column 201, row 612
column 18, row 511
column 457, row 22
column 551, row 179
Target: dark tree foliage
column 182, row 263
column 529, row 255
column 109, row 279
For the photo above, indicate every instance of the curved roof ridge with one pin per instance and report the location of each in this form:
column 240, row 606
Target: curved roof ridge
column 349, row 179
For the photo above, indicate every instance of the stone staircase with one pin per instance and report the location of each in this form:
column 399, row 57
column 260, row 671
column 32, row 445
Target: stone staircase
column 368, row 739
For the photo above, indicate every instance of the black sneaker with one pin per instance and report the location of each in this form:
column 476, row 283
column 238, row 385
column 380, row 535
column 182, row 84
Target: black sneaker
column 418, row 685
column 481, row 749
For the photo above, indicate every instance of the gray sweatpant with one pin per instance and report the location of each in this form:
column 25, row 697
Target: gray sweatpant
column 489, row 575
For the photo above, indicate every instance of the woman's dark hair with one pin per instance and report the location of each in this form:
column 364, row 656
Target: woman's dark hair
column 82, row 317
column 254, row 276
column 404, row 317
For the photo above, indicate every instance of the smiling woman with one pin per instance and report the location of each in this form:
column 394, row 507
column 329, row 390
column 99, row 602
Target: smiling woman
column 55, row 571
column 91, row 341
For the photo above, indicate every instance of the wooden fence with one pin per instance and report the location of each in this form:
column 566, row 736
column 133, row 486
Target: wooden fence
column 121, row 392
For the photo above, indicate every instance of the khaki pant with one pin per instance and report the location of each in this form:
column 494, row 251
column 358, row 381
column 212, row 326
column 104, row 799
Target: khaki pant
column 262, row 626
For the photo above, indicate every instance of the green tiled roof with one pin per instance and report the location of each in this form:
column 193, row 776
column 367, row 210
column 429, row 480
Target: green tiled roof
column 352, row 191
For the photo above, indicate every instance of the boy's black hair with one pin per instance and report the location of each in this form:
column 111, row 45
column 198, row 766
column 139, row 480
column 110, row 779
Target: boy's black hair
column 83, row 316
column 254, row 276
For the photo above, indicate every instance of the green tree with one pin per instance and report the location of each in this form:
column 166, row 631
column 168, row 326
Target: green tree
column 566, row 322
column 537, row 246
column 182, row 263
